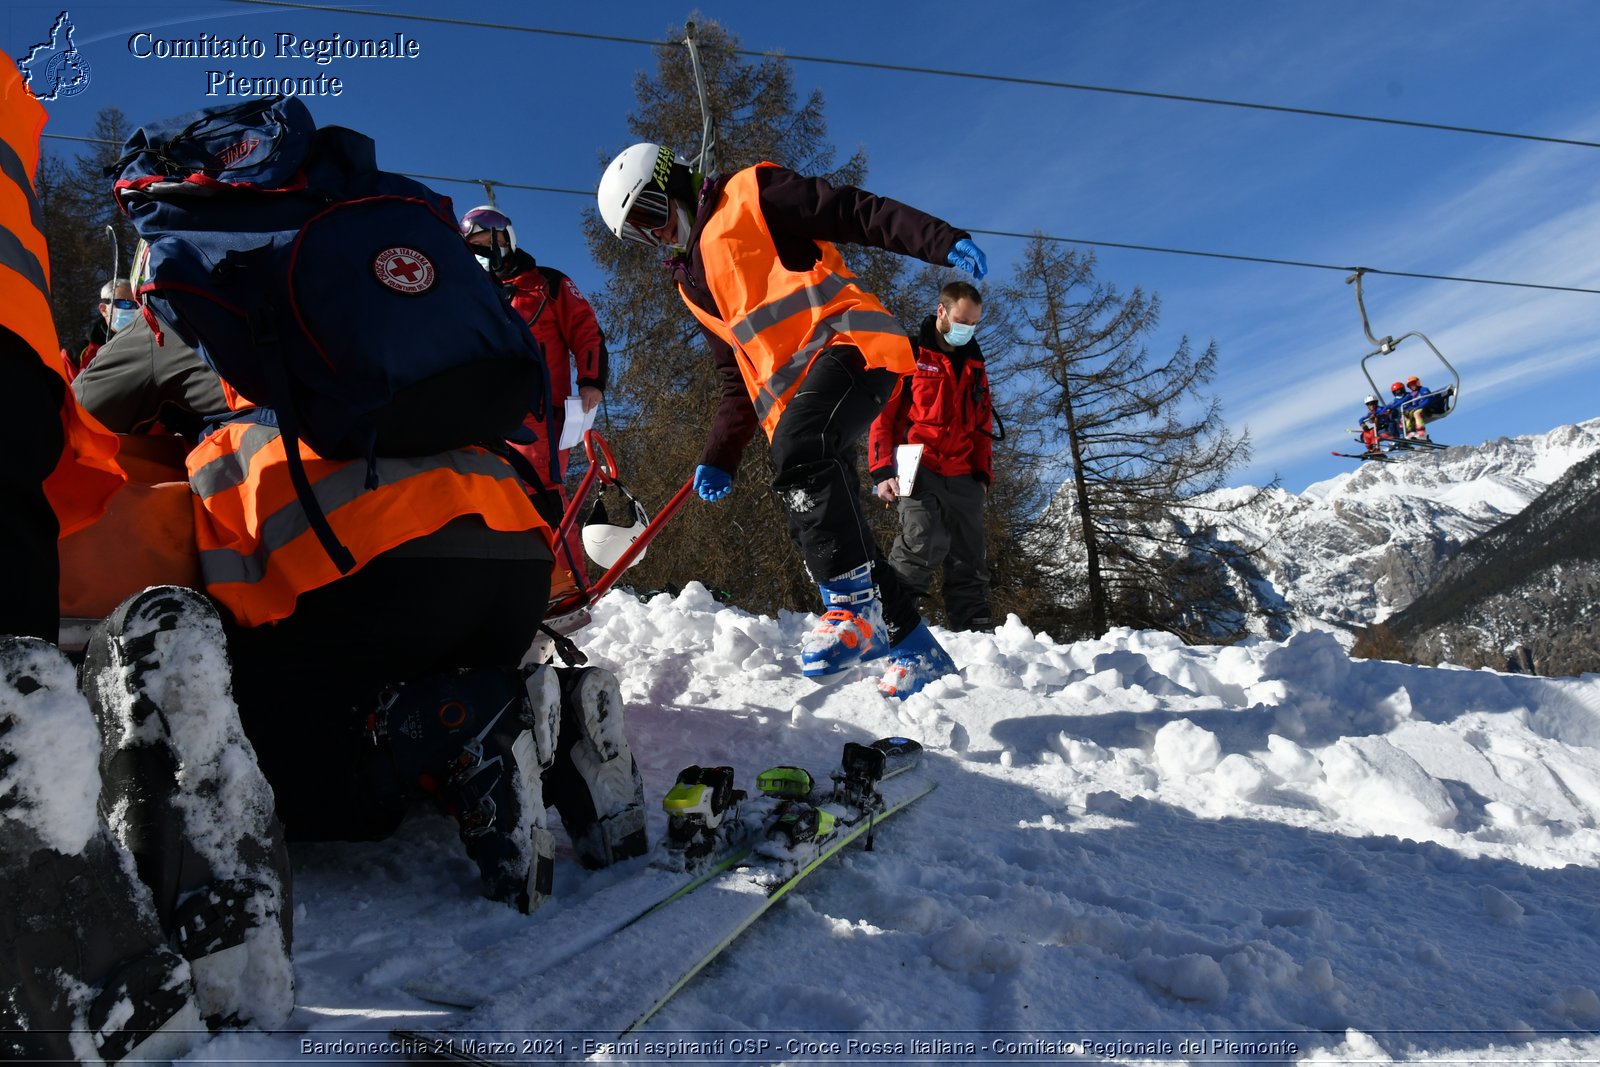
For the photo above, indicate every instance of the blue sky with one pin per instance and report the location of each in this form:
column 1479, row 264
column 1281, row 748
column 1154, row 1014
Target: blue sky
column 542, row 110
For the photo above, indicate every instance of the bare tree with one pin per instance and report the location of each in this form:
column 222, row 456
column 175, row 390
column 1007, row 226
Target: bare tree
column 1139, row 442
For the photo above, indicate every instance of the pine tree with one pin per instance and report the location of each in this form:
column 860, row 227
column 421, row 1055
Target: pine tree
column 77, row 208
column 1139, row 440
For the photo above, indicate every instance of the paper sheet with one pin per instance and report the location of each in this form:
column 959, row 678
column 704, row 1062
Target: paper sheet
column 906, row 460
column 578, row 421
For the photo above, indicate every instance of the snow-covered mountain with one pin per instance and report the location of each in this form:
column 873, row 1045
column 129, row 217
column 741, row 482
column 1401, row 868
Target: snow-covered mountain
column 1132, row 841
column 1352, row 550
column 1526, row 594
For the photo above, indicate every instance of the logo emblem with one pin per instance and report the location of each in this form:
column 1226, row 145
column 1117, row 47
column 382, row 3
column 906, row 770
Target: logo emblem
column 405, row 270
column 236, row 152
column 65, row 71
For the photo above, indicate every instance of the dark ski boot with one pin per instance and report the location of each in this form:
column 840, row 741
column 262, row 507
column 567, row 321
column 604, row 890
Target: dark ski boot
column 182, row 792
column 85, row 974
column 478, row 741
column 594, row 783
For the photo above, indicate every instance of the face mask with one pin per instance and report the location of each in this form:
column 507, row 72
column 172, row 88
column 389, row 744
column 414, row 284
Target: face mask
column 483, row 261
column 121, row 317
column 685, row 224
column 959, row 333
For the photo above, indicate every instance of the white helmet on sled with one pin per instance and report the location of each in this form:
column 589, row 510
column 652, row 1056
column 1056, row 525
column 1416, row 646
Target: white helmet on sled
column 605, row 540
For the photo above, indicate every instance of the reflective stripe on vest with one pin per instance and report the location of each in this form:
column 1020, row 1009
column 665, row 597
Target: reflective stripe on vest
column 779, row 320
column 258, row 553
column 86, row 474
column 24, row 261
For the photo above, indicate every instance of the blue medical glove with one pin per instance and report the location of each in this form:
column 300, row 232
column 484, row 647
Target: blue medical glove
column 969, row 257
column 712, row 483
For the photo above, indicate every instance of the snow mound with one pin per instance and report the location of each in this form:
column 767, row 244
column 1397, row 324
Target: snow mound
column 1130, row 837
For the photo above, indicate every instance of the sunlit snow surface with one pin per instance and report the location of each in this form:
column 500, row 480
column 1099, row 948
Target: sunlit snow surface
column 1133, row 840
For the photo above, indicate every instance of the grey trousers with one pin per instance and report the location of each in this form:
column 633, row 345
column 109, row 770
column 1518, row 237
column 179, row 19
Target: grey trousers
column 941, row 524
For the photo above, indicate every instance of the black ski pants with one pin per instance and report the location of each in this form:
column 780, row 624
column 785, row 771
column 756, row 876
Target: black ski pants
column 30, row 447
column 306, row 685
column 814, row 455
column 941, row 524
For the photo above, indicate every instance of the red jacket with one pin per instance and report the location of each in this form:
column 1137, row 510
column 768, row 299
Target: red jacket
column 944, row 407
column 564, row 325
column 562, row 321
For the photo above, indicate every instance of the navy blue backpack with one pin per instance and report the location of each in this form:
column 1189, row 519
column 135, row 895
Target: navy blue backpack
column 339, row 298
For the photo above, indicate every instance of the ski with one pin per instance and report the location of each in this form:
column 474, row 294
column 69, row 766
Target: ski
column 1382, row 457
column 693, row 854
column 626, row 978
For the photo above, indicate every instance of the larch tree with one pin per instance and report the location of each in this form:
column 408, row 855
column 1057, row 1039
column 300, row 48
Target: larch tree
column 1138, row 442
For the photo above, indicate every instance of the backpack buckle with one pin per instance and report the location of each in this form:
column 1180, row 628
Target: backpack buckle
column 263, row 322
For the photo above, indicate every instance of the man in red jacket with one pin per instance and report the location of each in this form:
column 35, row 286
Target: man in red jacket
column 566, row 328
column 944, row 407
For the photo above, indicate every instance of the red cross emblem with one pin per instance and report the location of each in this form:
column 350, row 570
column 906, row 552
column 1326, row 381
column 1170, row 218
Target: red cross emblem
column 404, row 270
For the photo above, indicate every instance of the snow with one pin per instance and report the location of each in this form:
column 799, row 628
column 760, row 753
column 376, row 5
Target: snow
column 49, row 738
column 1133, row 841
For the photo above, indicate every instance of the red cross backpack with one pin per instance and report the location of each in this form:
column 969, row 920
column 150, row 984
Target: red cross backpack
column 338, row 298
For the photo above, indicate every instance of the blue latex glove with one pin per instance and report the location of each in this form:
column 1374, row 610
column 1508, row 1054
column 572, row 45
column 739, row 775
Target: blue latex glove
column 712, row 483
column 969, row 257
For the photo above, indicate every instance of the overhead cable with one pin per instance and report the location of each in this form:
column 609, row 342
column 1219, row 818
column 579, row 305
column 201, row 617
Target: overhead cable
column 1269, row 260
column 938, row 72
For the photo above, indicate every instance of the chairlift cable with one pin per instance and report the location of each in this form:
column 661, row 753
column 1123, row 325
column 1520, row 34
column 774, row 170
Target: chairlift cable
column 941, row 72
column 1235, row 257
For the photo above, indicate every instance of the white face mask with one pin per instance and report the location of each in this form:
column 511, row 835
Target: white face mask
column 685, row 224
column 121, row 317
column 959, row 333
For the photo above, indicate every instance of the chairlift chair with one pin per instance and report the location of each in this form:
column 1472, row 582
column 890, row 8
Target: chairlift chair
column 1387, row 345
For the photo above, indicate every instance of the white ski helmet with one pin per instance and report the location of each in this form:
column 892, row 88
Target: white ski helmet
column 633, row 197
column 604, row 539
column 488, row 217
column 1370, row 399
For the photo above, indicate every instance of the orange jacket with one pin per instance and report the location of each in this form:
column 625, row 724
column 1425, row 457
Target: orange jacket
column 778, row 320
column 258, row 552
column 87, row 474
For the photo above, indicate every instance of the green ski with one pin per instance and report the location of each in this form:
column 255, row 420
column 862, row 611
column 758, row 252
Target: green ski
column 626, row 978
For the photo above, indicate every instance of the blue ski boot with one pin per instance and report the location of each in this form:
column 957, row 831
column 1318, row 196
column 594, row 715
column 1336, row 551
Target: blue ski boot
column 851, row 630
column 917, row 660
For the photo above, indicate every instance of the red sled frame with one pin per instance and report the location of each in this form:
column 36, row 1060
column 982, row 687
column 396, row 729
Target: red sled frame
column 571, row 612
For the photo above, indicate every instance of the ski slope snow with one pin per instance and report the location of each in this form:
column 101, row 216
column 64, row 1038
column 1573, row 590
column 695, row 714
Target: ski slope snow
column 1270, row 849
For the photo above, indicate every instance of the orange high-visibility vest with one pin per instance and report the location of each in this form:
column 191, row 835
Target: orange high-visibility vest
column 778, row 320
column 87, row 474
column 258, row 552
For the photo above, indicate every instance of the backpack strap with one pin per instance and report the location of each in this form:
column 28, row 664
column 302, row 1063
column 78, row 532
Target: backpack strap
column 263, row 331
